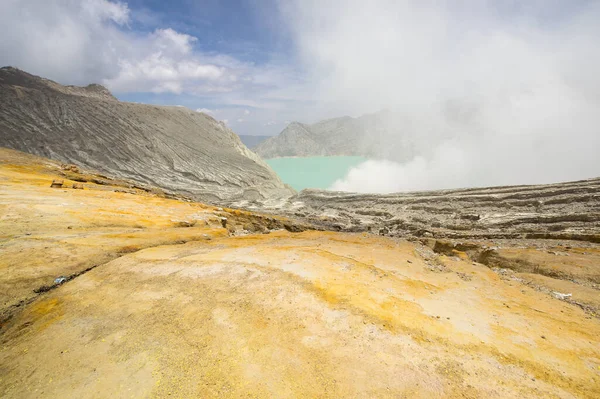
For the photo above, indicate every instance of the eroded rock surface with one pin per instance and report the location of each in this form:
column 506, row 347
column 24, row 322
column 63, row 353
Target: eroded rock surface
column 189, row 300
column 170, row 147
column 568, row 210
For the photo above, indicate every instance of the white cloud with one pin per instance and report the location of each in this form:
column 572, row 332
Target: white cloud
column 270, row 123
column 240, row 120
column 205, row 111
column 70, row 41
column 84, row 41
column 103, row 9
column 485, row 93
column 160, row 72
column 246, row 112
column 170, row 40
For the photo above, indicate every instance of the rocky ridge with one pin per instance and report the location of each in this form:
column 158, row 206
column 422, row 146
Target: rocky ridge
column 170, row 147
column 569, row 210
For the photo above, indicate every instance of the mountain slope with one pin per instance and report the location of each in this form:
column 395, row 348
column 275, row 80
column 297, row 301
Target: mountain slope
column 372, row 136
column 170, row 147
column 295, row 140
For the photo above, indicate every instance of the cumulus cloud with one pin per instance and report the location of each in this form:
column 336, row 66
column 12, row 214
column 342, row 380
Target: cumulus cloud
column 84, row 41
column 205, row 111
column 483, row 93
column 65, row 40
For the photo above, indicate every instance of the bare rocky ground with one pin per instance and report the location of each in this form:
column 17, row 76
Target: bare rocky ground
column 166, row 297
column 564, row 211
column 545, row 236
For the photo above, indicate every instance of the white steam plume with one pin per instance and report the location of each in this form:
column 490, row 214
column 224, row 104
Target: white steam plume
column 488, row 92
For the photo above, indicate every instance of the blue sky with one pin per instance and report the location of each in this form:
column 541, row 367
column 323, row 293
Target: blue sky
column 247, row 31
column 244, row 29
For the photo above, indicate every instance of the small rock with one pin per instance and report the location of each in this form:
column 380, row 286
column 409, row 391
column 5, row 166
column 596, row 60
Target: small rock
column 72, row 168
column 561, row 296
column 60, row 280
column 78, row 186
column 57, row 183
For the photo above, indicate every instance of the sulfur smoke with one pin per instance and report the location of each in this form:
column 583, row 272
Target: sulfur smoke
column 482, row 93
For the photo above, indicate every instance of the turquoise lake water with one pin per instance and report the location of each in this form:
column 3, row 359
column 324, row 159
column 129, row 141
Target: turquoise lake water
column 313, row 172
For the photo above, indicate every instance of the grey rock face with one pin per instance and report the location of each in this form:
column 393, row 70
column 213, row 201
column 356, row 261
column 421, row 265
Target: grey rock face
column 557, row 211
column 170, row 147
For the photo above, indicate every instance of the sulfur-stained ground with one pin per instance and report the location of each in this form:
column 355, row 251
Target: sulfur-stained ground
column 173, row 311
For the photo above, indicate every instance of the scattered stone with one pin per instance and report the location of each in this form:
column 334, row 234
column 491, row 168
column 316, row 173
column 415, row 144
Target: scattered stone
column 78, row 186
column 561, row 296
column 57, row 183
column 60, row 280
column 70, row 167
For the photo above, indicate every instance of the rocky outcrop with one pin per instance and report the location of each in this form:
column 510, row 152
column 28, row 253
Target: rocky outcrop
column 562, row 211
column 171, row 147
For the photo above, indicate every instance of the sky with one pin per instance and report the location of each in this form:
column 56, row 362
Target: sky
column 489, row 92
column 227, row 57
